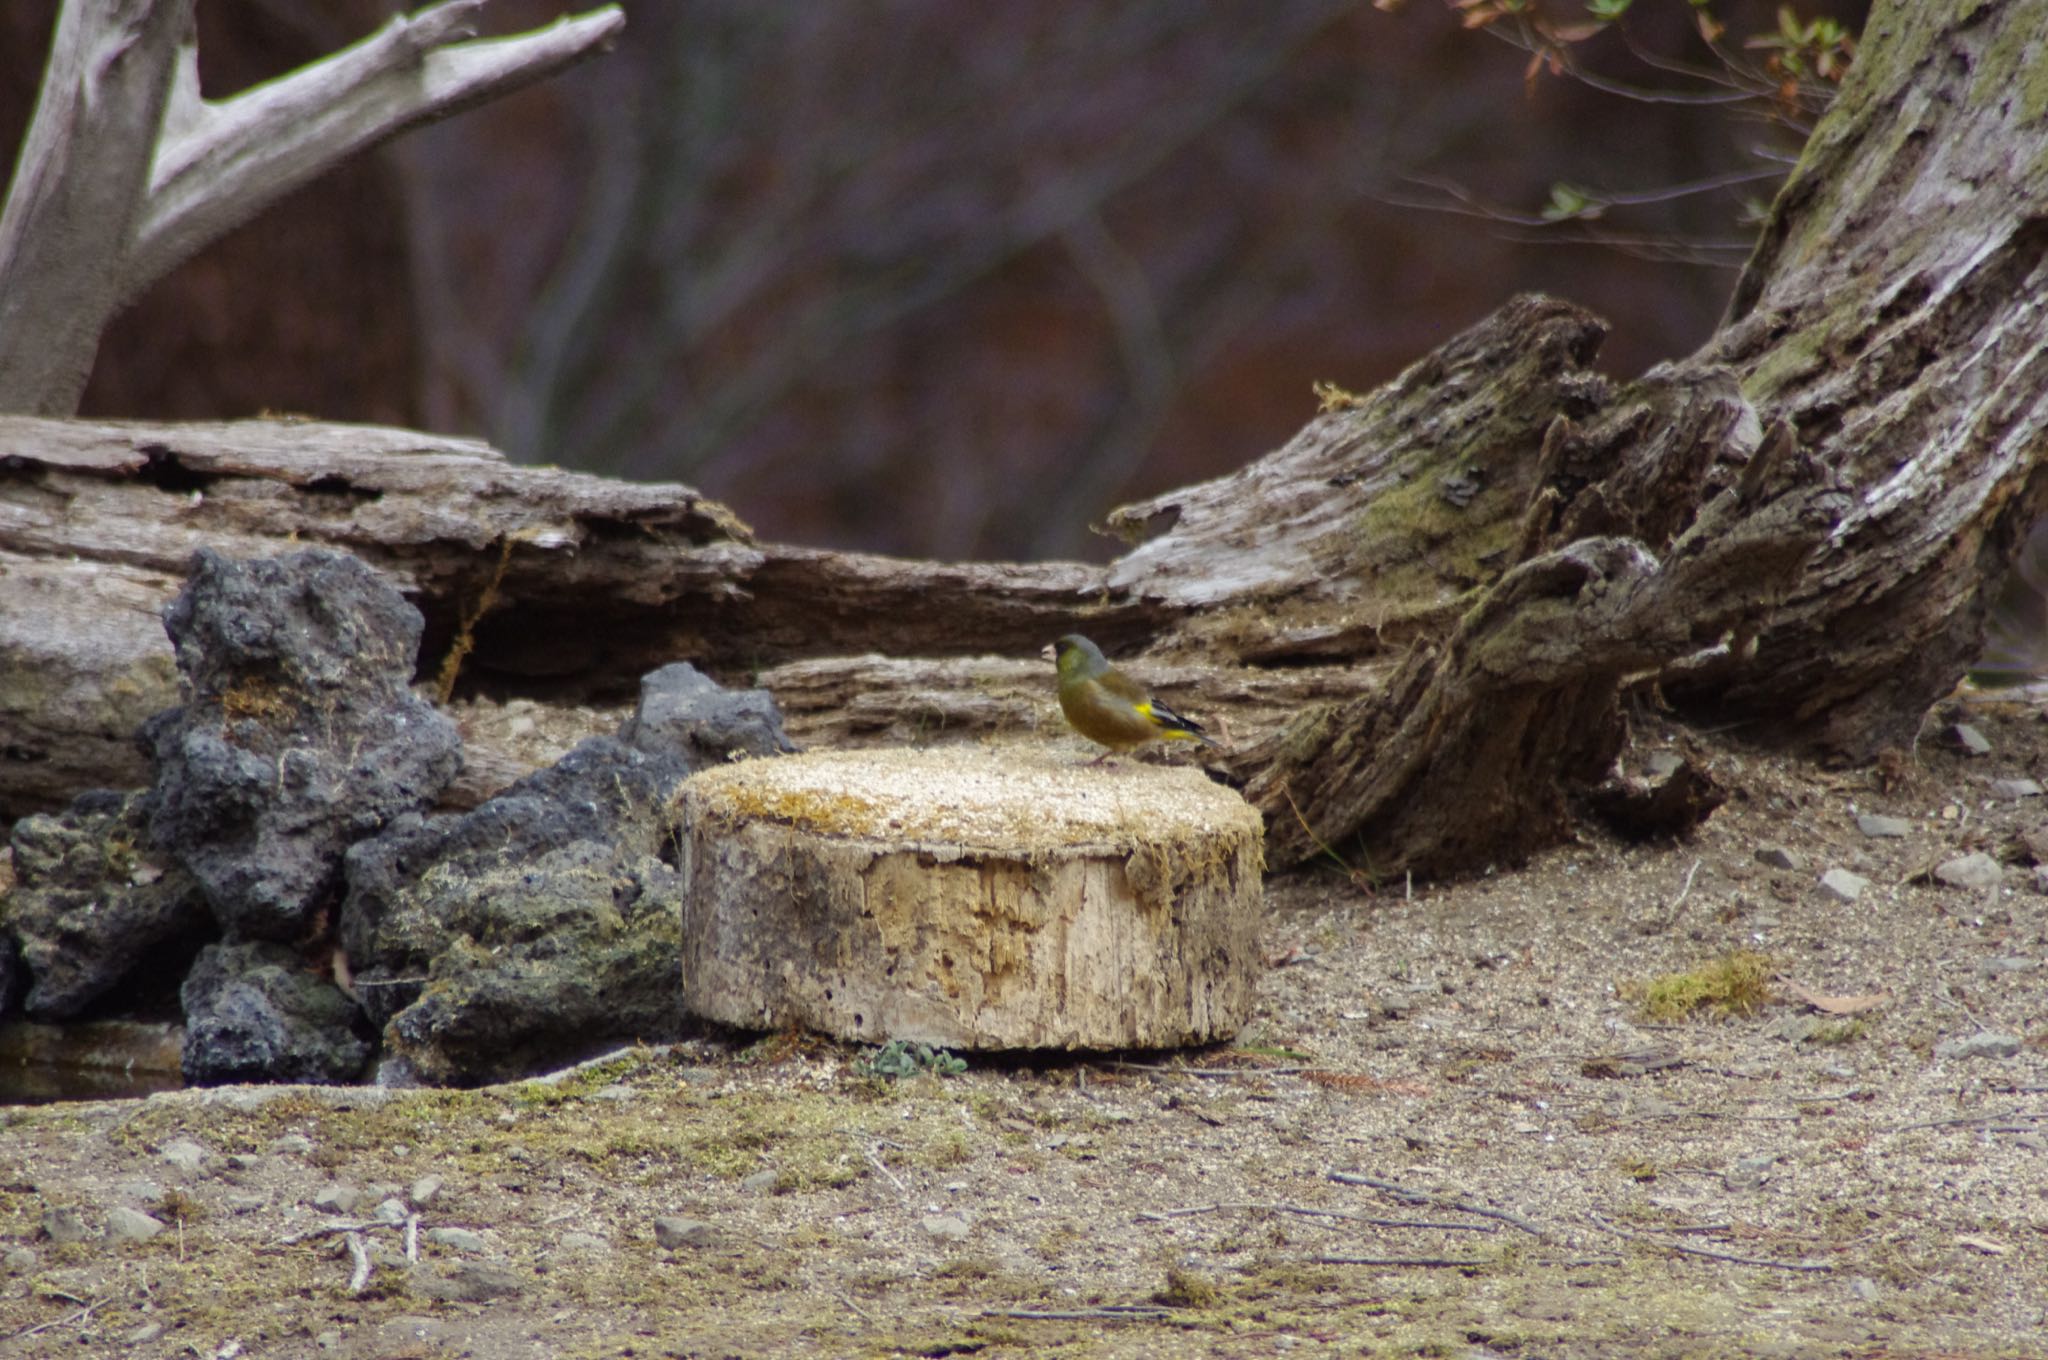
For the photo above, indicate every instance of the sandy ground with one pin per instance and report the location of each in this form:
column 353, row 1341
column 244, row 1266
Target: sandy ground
column 1450, row 1131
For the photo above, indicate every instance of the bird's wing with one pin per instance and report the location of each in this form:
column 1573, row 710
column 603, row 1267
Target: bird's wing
column 1123, row 687
column 1166, row 717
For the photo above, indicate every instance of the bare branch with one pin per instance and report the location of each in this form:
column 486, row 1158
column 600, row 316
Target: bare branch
column 227, row 161
column 126, row 170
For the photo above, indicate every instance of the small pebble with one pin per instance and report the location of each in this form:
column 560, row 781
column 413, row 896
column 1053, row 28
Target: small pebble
column 1865, row 1288
column 292, row 1145
column 1972, row 742
column 65, row 1225
column 457, row 1239
column 1974, row 870
column 471, row 1282
column 1843, row 886
column 184, row 1154
column 760, row 1183
column 392, row 1210
column 589, row 1244
column 140, row 1192
column 1794, row 1029
column 1983, row 1044
column 19, row 1260
column 672, row 1232
column 2012, row 790
column 337, row 1197
column 946, row 1227
column 2012, row 963
column 1876, row 825
column 425, row 1189
column 1779, row 857
column 143, row 1335
column 1748, row 1173
column 131, row 1224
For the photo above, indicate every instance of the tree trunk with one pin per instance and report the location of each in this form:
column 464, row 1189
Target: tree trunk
column 1895, row 314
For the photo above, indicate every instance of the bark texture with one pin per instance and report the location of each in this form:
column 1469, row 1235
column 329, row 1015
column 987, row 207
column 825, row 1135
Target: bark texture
column 1895, row 315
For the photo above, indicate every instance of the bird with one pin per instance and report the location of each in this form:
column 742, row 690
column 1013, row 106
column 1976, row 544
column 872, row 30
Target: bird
column 1108, row 707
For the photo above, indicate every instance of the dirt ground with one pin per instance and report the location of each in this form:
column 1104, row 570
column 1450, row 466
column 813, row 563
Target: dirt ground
column 1450, row 1131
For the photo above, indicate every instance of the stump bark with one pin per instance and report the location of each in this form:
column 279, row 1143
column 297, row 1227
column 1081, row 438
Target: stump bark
column 971, row 897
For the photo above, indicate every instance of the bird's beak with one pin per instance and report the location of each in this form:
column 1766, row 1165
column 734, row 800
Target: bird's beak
column 1048, row 653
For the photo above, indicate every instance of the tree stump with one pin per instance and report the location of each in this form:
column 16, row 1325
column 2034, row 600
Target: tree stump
column 971, row 897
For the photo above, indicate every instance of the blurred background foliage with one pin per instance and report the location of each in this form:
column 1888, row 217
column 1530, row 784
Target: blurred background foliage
column 953, row 279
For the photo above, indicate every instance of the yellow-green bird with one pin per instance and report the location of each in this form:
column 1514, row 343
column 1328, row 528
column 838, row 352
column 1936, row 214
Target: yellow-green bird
column 1108, row 707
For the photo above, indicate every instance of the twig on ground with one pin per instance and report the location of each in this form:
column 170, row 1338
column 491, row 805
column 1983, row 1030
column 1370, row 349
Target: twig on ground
column 1229, row 1206
column 853, row 1307
column 1686, row 890
column 1947, row 994
column 84, row 1312
column 873, row 1154
column 412, row 1237
column 1414, row 1196
column 1425, row 1262
column 1173, row 1069
column 1110, row 1312
column 338, row 1226
column 358, row 1279
column 1686, row 1250
column 1960, row 1120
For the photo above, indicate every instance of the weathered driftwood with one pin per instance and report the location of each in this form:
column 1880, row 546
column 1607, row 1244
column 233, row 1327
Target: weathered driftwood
column 1470, row 753
column 971, row 896
column 1895, row 316
column 576, row 585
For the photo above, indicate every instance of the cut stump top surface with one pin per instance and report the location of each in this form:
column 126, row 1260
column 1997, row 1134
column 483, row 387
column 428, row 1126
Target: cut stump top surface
column 1011, row 799
column 978, row 897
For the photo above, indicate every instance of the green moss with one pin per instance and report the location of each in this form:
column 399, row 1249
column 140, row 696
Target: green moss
column 1426, row 551
column 1734, row 984
column 1835, row 1032
column 1187, row 1289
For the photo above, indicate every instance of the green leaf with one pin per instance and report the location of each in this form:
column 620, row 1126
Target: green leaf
column 1566, row 202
